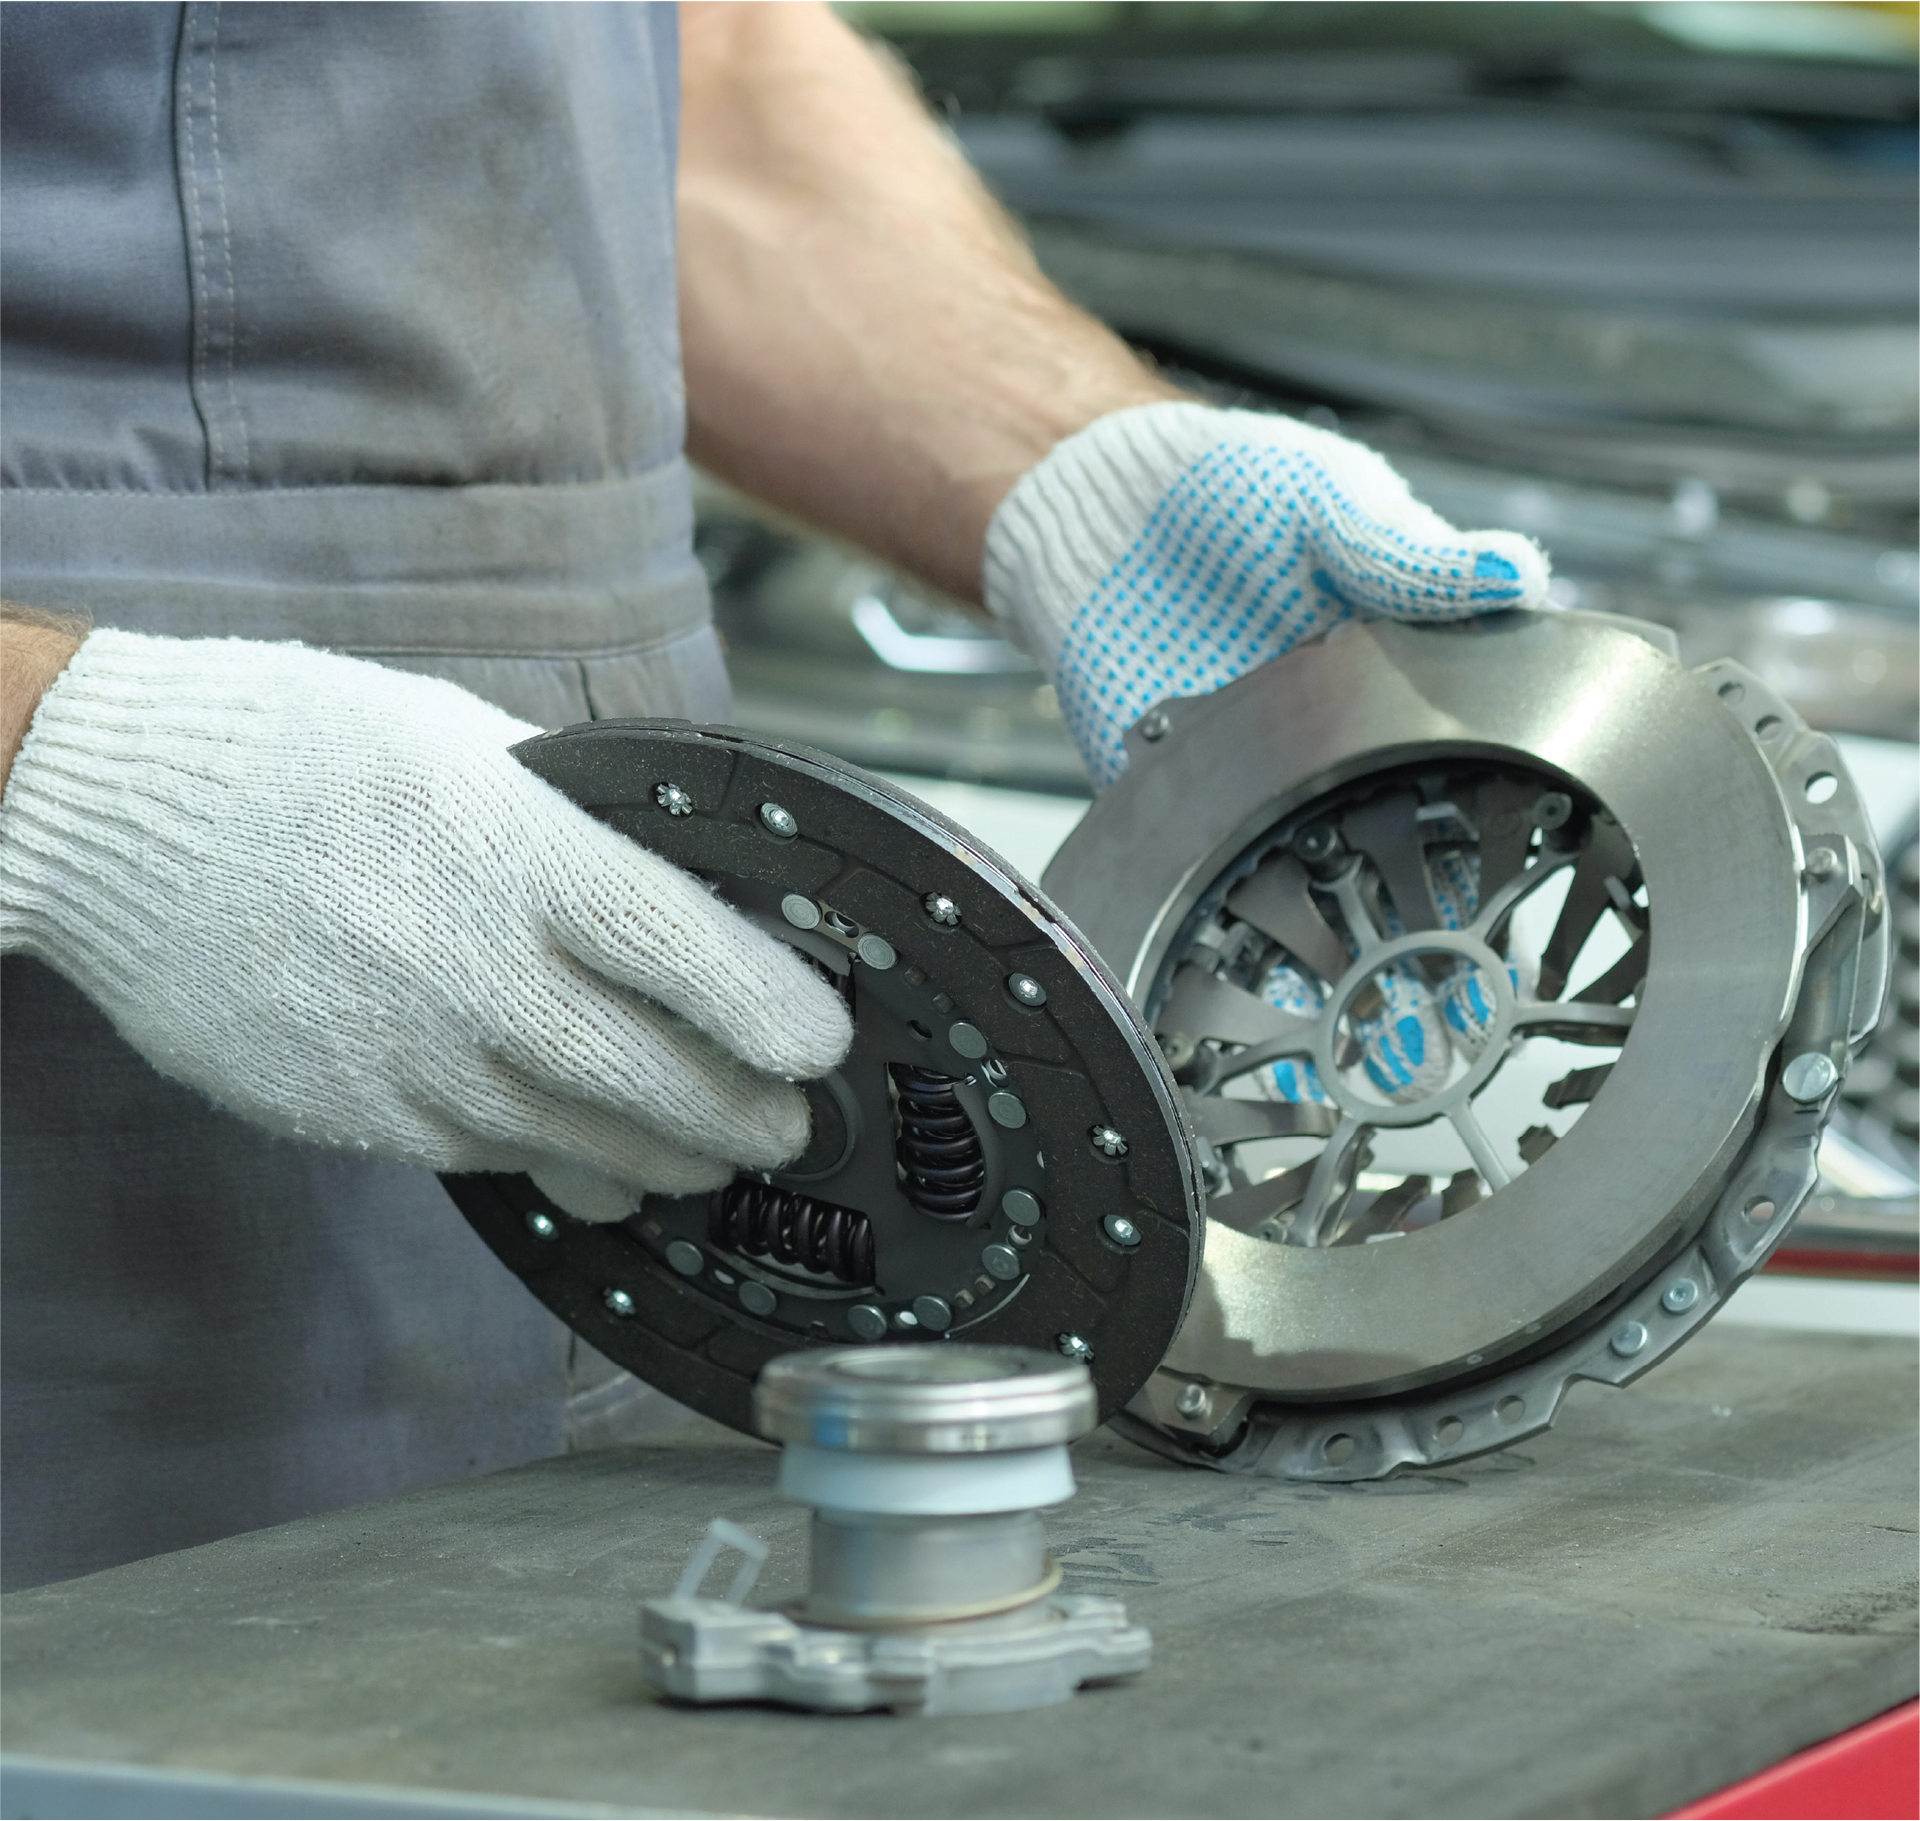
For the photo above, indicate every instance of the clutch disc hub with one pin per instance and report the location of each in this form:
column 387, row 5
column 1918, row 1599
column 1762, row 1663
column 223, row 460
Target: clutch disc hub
column 1003, row 1156
column 1509, row 971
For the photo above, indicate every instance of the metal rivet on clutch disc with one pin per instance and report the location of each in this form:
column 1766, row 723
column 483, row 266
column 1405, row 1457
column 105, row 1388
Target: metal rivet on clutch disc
column 1644, row 906
column 948, row 1190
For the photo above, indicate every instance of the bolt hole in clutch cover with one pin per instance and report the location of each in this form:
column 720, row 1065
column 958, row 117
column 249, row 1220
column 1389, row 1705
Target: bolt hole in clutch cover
column 1643, row 905
column 1003, row 1156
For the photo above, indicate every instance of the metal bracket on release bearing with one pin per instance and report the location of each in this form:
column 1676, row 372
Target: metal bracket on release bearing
column 1002, row 1157
column 1509, row 970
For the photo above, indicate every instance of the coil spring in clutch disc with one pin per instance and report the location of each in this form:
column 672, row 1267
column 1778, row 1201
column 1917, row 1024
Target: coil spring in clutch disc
column 765, row 1221
column 940, row 1154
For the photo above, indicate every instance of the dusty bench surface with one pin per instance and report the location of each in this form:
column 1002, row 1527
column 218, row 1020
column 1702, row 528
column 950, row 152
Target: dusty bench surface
column 1677, row 1586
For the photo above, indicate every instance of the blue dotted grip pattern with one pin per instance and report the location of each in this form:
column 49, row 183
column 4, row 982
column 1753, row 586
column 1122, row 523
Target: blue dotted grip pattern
column 1255, row 548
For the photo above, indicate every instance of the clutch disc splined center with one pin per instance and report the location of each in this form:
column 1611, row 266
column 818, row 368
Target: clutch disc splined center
column 1003, row 1155
column 1644, row 907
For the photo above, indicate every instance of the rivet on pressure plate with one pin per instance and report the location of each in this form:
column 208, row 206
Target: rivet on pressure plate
column 876, row 952
column 1809, row 1076
column 1315, row 842
column 1822, row 863
column 1680, row 1296
column 942, row 909
column 618, row 1301
column 1007, row 1110
column 1154, row 725
column 779, row 821
column 673, row 799
column 1192, row 1400
column 1121, row 1231
column 1107, row 1141
column 757, row 1299
column 1026, row 989
column 1628, row 1339
column 541, row 1226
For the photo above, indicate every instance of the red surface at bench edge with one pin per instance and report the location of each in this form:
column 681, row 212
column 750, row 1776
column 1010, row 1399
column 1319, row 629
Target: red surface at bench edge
column 1869, row 1774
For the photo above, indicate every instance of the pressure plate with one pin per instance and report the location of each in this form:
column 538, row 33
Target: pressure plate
column 1003, row 1157
column 1509, row 970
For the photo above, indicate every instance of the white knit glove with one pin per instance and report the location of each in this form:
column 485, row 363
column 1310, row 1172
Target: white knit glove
column 1167, row 549
column 326, row 895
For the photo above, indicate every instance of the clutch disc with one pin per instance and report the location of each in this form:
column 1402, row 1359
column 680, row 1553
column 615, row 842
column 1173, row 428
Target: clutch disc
column 1002, row 1157
column 1509, row 970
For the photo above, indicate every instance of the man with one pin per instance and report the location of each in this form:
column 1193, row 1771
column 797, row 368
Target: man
column 356, row 326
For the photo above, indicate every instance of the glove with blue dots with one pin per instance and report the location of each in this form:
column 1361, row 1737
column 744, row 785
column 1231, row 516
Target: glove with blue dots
column 1168, row 549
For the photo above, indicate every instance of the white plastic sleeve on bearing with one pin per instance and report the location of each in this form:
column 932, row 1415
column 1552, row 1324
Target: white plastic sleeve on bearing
column 926, row 1485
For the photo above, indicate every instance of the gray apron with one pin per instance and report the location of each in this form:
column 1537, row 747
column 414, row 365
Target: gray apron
column 356, row 325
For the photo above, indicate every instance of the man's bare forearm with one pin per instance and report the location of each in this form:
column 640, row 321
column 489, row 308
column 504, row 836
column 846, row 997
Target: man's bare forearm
column 868, row 342
column 34, row 649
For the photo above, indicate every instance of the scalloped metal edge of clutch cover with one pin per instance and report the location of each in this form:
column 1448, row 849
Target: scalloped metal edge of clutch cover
column 1768, row 941
column 1098, row 1262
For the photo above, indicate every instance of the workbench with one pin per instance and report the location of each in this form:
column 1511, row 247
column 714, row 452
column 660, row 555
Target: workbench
column 1678, row 1585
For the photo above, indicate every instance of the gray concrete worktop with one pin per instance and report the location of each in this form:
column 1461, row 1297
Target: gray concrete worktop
column 1678, row 1585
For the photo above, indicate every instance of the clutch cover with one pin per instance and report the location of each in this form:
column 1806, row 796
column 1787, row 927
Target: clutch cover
column 1644, row 904
column 1003, row 1157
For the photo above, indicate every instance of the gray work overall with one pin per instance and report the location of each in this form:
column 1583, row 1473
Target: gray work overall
column 353, row 324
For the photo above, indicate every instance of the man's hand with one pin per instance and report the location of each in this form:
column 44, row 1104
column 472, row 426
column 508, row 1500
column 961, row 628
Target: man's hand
column 870, row 346
column 325, row 894
column 1169, row 549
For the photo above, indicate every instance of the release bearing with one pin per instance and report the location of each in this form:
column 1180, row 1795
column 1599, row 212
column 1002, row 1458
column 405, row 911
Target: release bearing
column 1003, row 1156
column 1647, row 904
column 931, row 1590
